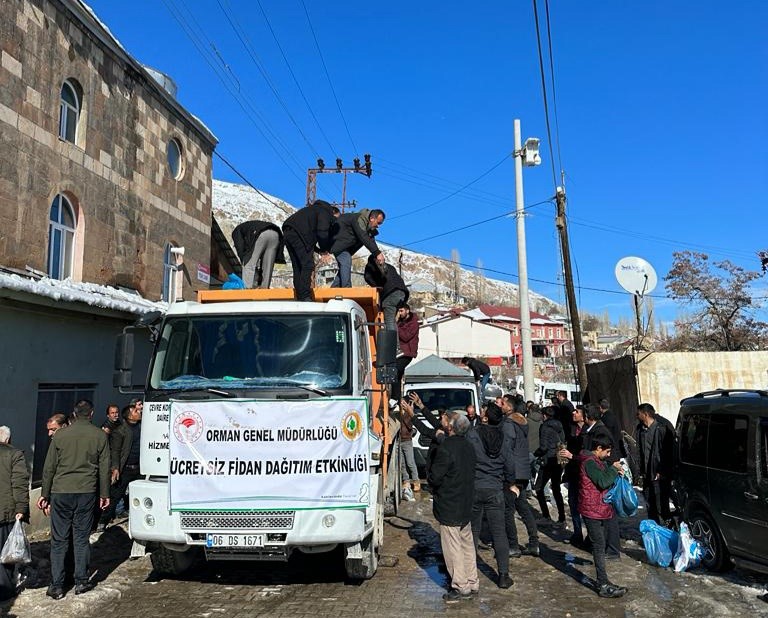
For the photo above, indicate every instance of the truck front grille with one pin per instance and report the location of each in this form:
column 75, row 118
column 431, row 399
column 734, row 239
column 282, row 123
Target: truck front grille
column 245, row 520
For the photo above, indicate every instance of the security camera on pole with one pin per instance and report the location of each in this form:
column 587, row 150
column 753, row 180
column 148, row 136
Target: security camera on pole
column 527, row 155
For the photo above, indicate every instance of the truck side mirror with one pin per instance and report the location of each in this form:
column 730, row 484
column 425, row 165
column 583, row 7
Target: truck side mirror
column 386, row 351
column 122, row 377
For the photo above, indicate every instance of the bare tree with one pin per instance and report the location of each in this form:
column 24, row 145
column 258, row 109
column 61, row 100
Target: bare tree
column 480, row 283
column 455, row 274
column 718, row 295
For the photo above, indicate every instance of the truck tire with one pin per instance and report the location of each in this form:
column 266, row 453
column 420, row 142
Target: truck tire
column 168, row 562
column 365, row 567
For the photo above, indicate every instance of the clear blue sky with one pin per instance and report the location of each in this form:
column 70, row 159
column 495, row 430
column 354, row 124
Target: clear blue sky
column 661, row 109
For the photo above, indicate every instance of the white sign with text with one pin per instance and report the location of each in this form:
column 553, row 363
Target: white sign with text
column 268, row 454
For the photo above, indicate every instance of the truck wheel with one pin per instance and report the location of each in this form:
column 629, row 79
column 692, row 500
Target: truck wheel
column 705, row 530
column 363, row 567
column 168, row 562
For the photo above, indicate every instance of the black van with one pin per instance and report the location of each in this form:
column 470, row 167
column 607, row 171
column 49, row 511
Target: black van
column 722, row 475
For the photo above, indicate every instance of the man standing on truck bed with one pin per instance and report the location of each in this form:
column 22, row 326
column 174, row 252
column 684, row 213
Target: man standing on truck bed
column 307, row 231
column 259, row 245
column 356, row 229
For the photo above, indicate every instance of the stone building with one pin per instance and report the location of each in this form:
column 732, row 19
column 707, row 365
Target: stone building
column 102, row 171
column 105, row 210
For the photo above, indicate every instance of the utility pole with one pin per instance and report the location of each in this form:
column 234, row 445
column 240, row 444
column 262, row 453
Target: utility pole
column 573, row 311
column 522, row 267
column 357, row 168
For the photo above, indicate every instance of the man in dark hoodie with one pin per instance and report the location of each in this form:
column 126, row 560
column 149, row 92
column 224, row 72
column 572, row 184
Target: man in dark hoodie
column 516, row 428
column 452, row 479
column 356, row 230
column 551, row 436
column 392, row 289
column 494, row 470
column 308, row 231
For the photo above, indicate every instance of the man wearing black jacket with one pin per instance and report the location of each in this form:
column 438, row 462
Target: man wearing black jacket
column 612, row 424
column 393, row 290
column 356, row 230
column 550, row 437
column 451, row 477
column 657, row 451
column 307, row 231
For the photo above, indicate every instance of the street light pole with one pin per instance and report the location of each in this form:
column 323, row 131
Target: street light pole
column 522, row 270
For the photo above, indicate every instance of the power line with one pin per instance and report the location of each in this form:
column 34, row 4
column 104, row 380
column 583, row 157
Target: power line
column 199, row 45
column 456, row 192
column 471, row 225
column 328, row 76
column 295, row 80
column 554, row 92
column 243, row 37
column 544, row 92
column 248, row 182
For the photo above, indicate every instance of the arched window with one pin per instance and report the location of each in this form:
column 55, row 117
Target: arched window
column 175, row 161
column 61, row 238
column 69, row 112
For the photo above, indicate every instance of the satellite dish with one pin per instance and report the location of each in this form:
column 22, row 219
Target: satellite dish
column 636, row 275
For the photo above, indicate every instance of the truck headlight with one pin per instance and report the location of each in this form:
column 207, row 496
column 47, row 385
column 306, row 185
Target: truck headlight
column 329, row 521
column 149, row 520
column 148, row 503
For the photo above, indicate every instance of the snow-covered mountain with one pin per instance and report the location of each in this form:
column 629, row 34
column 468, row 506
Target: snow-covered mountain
column 235, row 203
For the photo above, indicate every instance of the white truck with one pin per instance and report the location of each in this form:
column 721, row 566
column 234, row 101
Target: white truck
column 263, row 431
column 441, row 385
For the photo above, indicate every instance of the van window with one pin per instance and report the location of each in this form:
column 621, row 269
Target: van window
column 727, row 444
column 693, row 439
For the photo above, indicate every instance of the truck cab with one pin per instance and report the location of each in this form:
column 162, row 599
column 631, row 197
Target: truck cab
column 264, row 431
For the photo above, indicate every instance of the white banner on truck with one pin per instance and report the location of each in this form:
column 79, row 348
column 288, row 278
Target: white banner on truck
column 269, row 454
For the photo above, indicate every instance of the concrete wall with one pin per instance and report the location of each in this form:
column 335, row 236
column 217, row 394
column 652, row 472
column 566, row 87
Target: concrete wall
column 42, row 346
column 115, row 174
column 664, row 378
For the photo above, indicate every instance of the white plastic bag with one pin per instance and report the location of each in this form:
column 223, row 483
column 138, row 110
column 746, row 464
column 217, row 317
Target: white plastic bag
column 689, row 550
column 16, row 549
column 408, row 494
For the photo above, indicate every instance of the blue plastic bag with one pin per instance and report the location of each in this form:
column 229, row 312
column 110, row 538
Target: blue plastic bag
column 233, row 282
column 622, row 497
column 689, row 550
column 660, row 542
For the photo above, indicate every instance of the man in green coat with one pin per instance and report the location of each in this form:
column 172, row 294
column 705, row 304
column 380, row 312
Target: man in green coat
column 76, row 470
column 14, row 501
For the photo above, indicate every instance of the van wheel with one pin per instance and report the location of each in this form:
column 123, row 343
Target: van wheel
column 705, row 530
column 168, row 562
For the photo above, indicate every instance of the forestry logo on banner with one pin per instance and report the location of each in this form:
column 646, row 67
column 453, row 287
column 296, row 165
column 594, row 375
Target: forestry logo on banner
column 352, row 425
column 188, row 426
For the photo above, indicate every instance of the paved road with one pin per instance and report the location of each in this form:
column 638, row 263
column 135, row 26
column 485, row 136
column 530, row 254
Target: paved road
column 315, row 586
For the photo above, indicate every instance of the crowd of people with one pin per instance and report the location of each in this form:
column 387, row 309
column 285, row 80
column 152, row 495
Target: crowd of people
column 86, row 473
column 481, row 468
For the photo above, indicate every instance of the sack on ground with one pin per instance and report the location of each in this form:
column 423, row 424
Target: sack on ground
column 622, row 497
column 689, row 550
column 16, row 549
column 660, row 542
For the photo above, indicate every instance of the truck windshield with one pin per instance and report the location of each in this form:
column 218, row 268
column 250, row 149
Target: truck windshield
column 252, row 351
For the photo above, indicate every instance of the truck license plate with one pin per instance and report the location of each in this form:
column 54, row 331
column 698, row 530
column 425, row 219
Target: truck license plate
column 234, row 540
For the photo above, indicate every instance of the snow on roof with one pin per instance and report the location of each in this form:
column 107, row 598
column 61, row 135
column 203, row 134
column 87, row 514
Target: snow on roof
column 92, row 294
column 475, row 314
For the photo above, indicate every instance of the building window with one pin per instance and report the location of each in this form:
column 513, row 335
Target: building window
column 559, row 333
column 169, row 274
column 53, row 399
column 175, row 163
column 551, row 333
column 69, row 112
column 61, row 238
